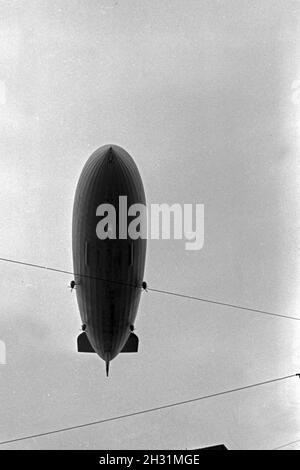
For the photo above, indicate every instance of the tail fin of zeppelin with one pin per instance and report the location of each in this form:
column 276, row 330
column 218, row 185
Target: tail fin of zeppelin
column 83, row 344
column 131, row 345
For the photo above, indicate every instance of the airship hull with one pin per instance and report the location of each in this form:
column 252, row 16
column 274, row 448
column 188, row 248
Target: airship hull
column 108, row 272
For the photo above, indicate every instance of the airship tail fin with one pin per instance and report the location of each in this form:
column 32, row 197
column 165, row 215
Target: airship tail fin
column 131, row 345
column 107, row 368
column 83, row 344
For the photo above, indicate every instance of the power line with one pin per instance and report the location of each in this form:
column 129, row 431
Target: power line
column 287, row 444
column 224, row 304
column 48, row 268
column 149, row 410
column 165, row 292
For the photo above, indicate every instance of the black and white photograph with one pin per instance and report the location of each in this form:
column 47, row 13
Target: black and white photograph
column 149, row 228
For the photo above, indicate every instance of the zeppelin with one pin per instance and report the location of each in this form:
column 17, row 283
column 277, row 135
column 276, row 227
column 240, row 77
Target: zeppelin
column 108, row 271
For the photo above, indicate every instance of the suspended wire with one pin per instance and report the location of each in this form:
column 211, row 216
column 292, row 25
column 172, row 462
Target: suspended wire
column 149, row 410
column 223, row 303
column 48, row 268
column 287, row 444
column 165, row 292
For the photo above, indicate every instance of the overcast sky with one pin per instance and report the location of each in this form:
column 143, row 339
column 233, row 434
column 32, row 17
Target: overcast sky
column 204, row 96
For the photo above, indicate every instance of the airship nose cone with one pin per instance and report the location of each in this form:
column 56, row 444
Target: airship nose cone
column 110, row 154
